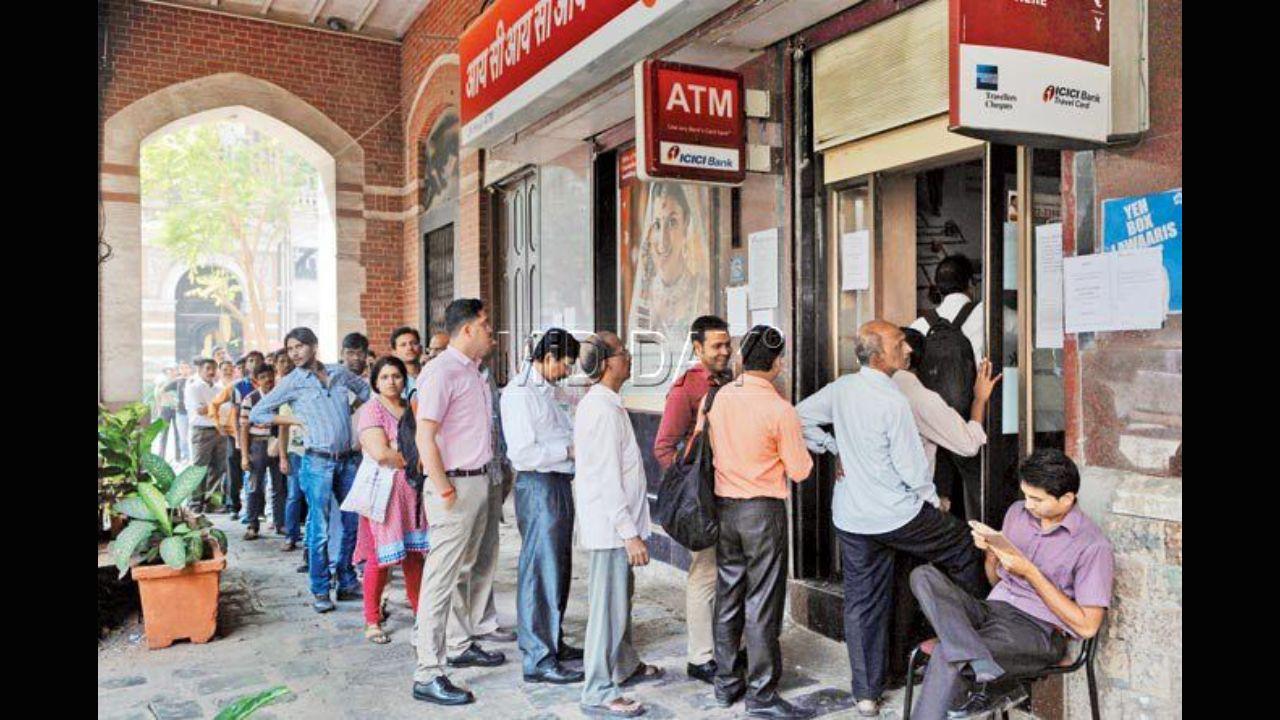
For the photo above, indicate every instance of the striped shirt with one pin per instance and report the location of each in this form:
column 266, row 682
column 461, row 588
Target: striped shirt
column 326, row 411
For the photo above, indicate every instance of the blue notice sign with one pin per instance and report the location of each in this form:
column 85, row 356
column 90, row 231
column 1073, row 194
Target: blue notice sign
column 1147, row 221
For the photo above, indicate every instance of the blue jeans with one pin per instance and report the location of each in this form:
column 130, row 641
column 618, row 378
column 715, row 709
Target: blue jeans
column 296, row 501
column 323, row 480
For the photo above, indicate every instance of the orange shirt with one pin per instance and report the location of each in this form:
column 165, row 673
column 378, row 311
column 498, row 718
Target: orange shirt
column 757, row 440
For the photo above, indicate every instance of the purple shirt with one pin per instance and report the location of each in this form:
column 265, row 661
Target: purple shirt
column 452, row 392
column 1074, row 555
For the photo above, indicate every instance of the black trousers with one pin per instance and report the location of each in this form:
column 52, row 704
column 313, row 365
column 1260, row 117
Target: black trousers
column 751, row 592
column 868, row 562
column 544, row 516
column 993, row 638
column 959, row 478
column 235, row 475
column 260, row 466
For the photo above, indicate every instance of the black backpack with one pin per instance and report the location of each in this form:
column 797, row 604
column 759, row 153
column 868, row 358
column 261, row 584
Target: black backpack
column 949, row 367
column 406, row 438
column 686, row 504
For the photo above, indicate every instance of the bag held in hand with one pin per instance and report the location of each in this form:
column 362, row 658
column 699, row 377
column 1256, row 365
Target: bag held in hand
column 686, row 505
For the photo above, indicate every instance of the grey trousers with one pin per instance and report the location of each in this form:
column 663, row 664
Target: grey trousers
column 993, row 638
column 208, row 450
column 608, row 656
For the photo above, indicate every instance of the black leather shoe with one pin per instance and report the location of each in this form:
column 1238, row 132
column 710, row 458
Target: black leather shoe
column 568, row 653
column 556, row 674
column 740, row 663
column 779, row 708
column 725, row 701
column 477, row 656
column 983, row 699
column 706, row 672
column 442, row 692
column 322, row 604
column 350, row 594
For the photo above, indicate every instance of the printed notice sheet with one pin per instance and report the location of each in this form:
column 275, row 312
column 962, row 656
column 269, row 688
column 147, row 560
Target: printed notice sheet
column 855, row 260
column 1112, row 291
column 736, row 298
column 1049, row 286
column 762, row 269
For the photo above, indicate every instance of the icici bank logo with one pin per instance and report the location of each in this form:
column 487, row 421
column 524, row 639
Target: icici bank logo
column 1049, row 92
column 674, row 152
column 649, row 3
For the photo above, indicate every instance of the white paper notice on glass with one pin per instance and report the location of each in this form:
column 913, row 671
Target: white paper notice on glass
column 763, row 317
column 762, row 268
column 1010, row 230
column 1049, row 286
column 1086, row 291
column 1139, row 288
column 736, row 300
column 1114, row 291
column 1009, row 401
column 855, row 260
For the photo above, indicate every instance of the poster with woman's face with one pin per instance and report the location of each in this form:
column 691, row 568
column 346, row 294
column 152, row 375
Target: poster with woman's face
column 666, row 264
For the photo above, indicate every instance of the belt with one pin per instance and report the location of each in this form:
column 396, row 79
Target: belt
column 468, row 473
column 331, row 456
column 203, row 427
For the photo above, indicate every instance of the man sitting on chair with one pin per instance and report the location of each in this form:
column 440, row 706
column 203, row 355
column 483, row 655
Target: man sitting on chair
column 1051, row 568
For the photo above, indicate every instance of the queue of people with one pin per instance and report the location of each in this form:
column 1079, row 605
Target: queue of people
column 420, row 439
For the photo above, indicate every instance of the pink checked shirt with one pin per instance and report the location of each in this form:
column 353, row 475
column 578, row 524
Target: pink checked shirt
column 452, row 392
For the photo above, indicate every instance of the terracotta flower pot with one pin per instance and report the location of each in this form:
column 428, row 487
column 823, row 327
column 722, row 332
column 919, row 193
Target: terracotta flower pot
column 182, row 603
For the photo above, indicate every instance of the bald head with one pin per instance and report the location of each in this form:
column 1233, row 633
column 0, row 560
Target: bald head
column 605, row 359
column 882, row 345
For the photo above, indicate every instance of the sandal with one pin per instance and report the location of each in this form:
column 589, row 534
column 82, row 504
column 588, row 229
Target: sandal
column 375, row 634
column 643, row 673
column 619, row 707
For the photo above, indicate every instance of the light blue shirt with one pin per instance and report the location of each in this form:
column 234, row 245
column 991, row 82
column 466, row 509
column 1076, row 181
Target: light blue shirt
column 537, row 429
column 886, row 472
column 326, row 411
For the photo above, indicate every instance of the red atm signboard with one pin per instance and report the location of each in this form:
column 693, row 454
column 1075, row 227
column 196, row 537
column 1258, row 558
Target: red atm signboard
column 689, row 123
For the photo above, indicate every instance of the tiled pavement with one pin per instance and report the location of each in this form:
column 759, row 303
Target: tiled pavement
column 268, row 635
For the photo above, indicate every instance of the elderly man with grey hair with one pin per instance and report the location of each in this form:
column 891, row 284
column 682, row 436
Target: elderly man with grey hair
column 884, row 500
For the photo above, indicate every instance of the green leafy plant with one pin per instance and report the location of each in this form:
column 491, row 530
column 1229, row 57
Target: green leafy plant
column 140, row 485
column 243, row 707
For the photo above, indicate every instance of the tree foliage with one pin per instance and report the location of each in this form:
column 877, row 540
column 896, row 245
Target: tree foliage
column 224, row 189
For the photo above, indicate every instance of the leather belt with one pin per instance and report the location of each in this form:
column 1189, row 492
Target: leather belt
column 331, row 456
column 468, row 473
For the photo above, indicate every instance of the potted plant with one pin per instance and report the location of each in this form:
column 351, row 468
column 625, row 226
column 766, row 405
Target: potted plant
column 123, row 440
column 177, row 556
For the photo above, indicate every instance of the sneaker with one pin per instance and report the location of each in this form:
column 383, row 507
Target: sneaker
column 868, row 708
column 322, row 604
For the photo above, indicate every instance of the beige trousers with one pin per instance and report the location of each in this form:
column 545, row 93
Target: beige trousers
column 456, row 536
column 700, row 603
column 475, row 581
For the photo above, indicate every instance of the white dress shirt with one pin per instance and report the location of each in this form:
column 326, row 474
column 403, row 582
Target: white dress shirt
column 538, row 431
column 609, row 488
column 886, row 474
column 198, row 394
column 938, row 422
column 949, row 308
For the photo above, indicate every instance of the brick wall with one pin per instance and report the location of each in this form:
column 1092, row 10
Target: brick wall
column 354, row 82
column 429, row 87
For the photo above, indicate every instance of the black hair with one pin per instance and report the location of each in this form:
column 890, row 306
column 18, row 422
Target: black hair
column 303, row 335
column 404, row 330
column 355, row 341
column 263, row 369
column 915, row 339
column 559, row 343
column 200, row 362
column 675, row 192
column 698, row 330
column 953, row 275
column 227, row 362
column 382, row 362
column 251, row 353
column 762, row 345
column 1050, row 470
column 460, row 312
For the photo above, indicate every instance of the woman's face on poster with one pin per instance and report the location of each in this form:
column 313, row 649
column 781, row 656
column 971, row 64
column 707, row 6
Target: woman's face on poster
column 668, row 235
